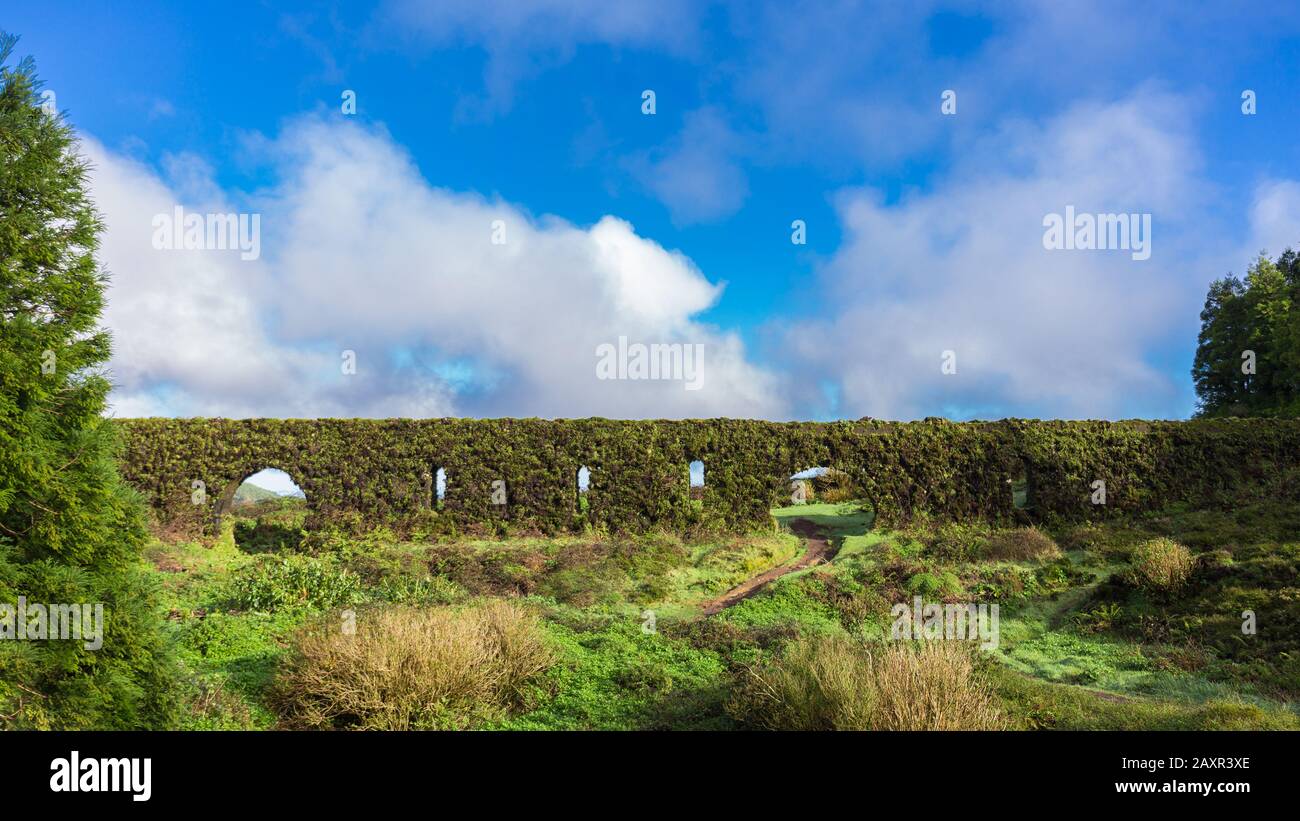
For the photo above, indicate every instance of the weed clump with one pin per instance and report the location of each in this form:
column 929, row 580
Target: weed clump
column 834, row 486
column 1162, row 566
column 1022, row 544
column 274, row 582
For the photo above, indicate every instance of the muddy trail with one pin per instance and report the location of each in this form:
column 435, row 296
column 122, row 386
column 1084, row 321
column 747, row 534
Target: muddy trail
column 818, row 551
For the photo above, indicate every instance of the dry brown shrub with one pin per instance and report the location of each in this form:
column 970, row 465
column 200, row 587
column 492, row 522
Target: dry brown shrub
column 413, row 668
column 834, row 683
column 1022, row 544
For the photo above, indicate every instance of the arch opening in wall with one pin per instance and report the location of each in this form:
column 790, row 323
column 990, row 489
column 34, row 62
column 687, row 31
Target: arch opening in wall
column 823, row 485
column 582, row 487
column 265, row 512
column 695, row 483
column 828, row 497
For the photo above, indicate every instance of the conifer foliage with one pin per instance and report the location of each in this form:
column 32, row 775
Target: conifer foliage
column 71, row 532
column 1248, row 357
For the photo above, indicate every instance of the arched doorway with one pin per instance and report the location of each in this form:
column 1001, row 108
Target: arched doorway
column 821, row 484
column 265, row 512
column 828, row 497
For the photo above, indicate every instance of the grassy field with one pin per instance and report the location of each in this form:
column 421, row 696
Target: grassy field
column 612, row 637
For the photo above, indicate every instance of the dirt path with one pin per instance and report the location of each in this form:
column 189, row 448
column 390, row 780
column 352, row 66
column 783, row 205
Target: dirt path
column 818, row 552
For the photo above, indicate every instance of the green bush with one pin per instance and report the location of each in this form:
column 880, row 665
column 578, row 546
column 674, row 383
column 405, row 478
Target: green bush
column 274, row 582
column 1100, row 618
column 956, row 541
column 832, row 487
column 272, row 525
column 938, row 584
column 419, row 590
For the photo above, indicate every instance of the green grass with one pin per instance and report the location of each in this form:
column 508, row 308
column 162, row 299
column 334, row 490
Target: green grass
column 232, row 620
column 619, row 677
column 268, row 524
column 1080, row 647
column 1035, row 704
column 787, row 601
column 717, row 566
column 839, row 519
column 846, row 524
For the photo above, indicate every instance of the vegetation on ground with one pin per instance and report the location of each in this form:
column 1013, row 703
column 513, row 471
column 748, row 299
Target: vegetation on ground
column 1084, row 641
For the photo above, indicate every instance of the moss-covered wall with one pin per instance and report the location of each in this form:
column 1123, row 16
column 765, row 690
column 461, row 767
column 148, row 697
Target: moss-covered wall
column 361, row 473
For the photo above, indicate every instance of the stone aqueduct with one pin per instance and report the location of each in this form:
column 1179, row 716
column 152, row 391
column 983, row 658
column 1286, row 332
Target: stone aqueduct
column 361, row 473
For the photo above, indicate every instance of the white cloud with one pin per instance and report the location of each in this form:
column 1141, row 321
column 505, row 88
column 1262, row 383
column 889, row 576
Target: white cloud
column 1274, row 221
column 849, row 88
column 962, row 268
column 696, row 175
column 565, row 22
column 360, row 253
column 184, row 322
column 520, row 36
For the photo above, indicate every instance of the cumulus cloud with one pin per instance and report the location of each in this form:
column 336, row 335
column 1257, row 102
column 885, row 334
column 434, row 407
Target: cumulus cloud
column 962, row 268
column 360, row 253
column 185, row 323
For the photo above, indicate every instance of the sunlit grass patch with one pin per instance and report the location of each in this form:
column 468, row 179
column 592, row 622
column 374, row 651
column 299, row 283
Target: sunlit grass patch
column 1031, row 703
column 787, row 600
column 838, row 519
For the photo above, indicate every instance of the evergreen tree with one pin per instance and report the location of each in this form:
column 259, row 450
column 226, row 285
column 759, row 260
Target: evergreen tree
column 1259, row 317
column 70, row 530
column 1220, row 384
column 1289, row 265
column 1268, row 306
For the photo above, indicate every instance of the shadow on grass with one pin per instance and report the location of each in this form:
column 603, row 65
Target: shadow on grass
column 270, row 525
column 252, row 536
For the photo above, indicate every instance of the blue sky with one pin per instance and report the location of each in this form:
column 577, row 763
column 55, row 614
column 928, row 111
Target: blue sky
column 923, row 229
